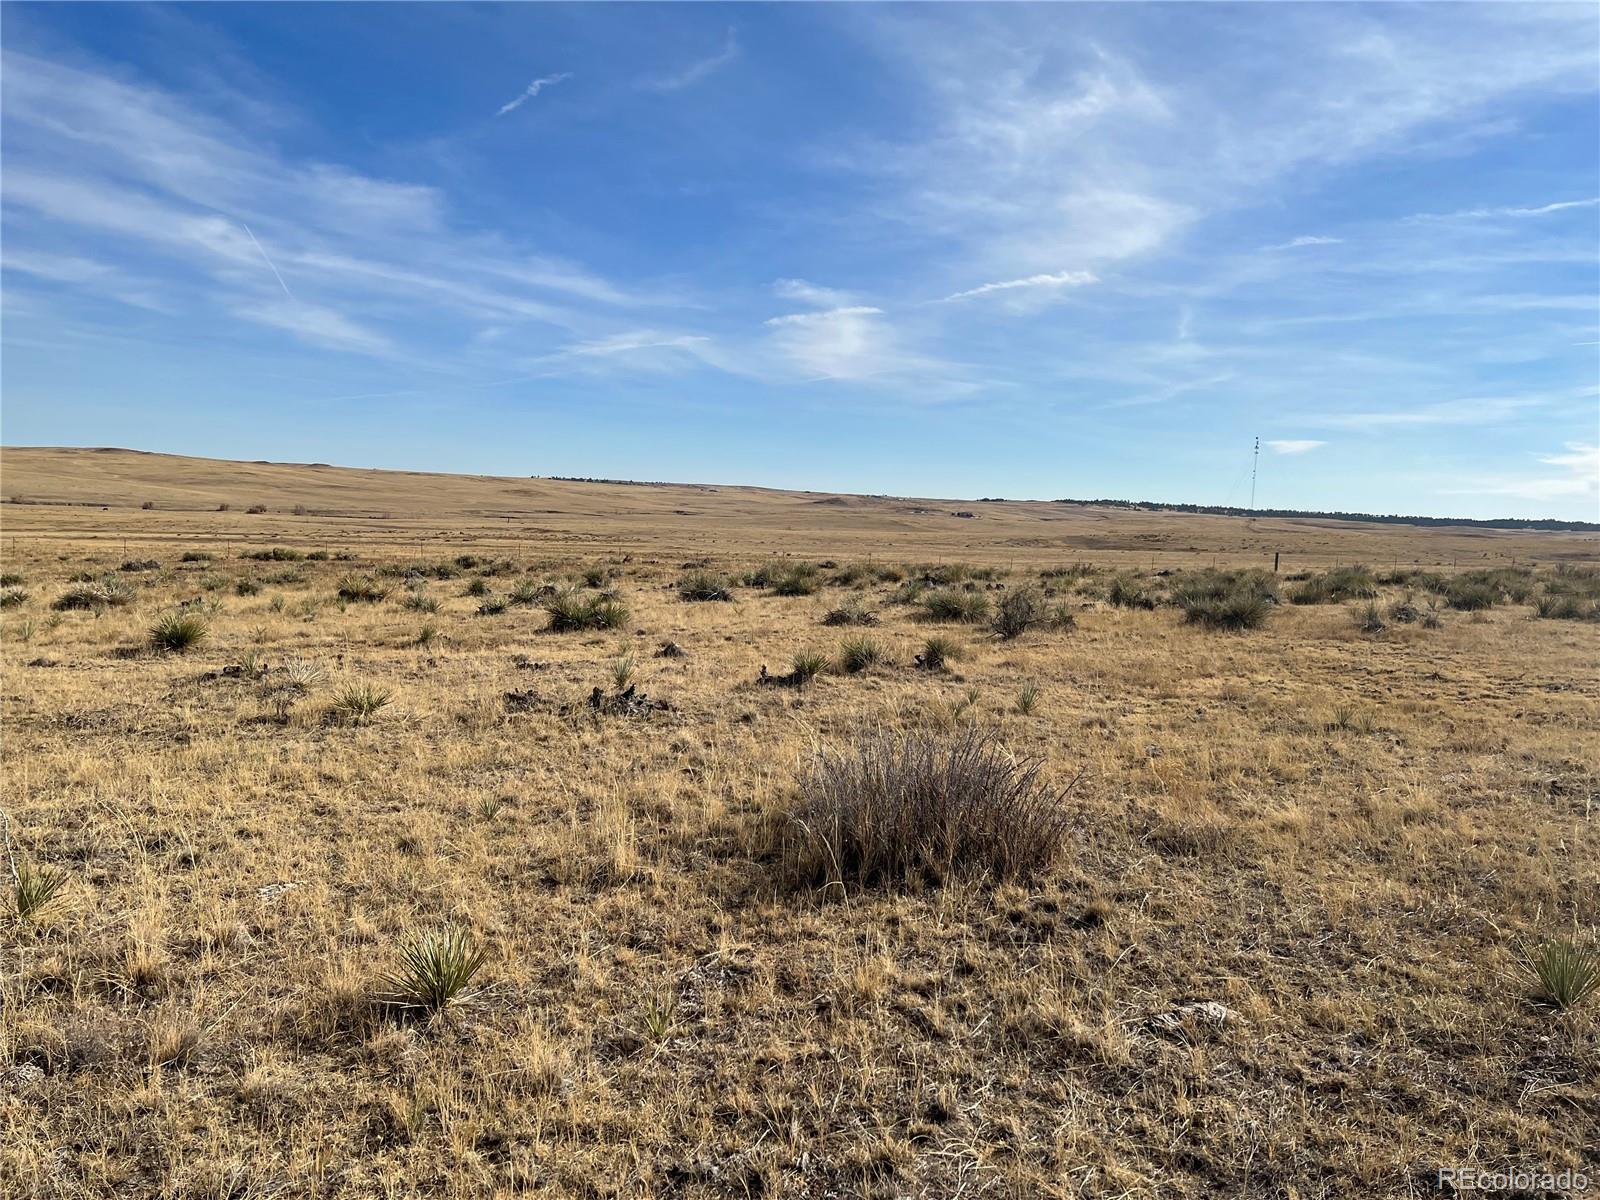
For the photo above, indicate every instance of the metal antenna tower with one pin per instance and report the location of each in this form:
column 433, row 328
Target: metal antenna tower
column 1255, row 460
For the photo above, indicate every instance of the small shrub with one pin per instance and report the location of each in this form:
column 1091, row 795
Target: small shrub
column 1226, row 600
column 798, row 581
column 949, row 604
column 1566, row 973
column 493, row 606
column 358, row 703
column 255, row 510
column 1018, row 612
column 1404, row 611
column 196, row 556
column 703, row 585
column 1567, row 608
column 938, row 652
column 1335, row 586
column 301, row 675
column 528, row 592
column 362, row 588
column 178, row 632
column 12, row 596
column 849, row 614
column 1368, row 619
column 34, row 888
column 896, row 807
column 857, row 654
column 571, row 611
column 1061, row 619
column 275, row 554
column 418, row 600
column 104, row 593
column 245, row 587
column 427, row 635
column 11, row 579
column 595, row 577
column 1470, row 595
column 435, row 968
column 1126, row 591
column 478, row 587
column 1028, row 699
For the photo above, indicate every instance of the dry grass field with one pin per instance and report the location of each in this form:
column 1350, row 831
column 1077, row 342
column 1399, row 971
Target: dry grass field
column 1278, row 950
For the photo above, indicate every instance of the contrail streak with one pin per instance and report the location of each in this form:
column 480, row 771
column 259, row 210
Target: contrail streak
column 268, row 261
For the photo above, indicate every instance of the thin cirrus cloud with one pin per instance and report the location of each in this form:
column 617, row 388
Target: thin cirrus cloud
column 532, row 90
column 1306, row 240
column 1294, row 445
column 1480, row 214
column 1042, row 282
column 697, row 70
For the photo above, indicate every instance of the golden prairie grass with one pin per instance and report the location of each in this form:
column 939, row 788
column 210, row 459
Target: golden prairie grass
column 1349, row 840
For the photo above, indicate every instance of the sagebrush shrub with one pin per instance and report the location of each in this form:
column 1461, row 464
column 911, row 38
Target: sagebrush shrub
column 900, row 806
column 1018, row 612
column 1126, row 591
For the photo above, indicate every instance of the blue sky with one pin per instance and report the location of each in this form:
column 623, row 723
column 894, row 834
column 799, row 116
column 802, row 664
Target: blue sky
column 1084, row 250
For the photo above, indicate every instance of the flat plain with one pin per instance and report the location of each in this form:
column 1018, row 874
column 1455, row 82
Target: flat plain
column 1278, row 952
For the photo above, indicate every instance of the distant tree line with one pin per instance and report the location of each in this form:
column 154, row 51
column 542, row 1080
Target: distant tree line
column 1220, row 510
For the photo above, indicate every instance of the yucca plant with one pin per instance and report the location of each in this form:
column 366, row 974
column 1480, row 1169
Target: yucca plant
column 10, row 597
column 1566, row 973
column 622, row 668
column 526, row 591
column 703, row 585
column 967, row 608
column 418, row 600
column 358, row 703
column 178, row 632
column 435, row 968
column 362, row 588
column 808, row 664
column 570, row 610
column 857, row 654
column 33, row 888
column 1028, row 699
column 938, row 652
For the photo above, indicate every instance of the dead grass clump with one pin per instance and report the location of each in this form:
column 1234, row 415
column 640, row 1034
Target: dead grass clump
column 895, row 808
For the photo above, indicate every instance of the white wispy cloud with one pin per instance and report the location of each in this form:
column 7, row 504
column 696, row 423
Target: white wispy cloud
column 1478, row 214
column 1060, row 279
column 1306, row 240
column 810, row 293
column 826, row 316
column 698, row 70
column 1579, row 476
column 1293, row 445
column 1486, row 410
column 532, row 90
